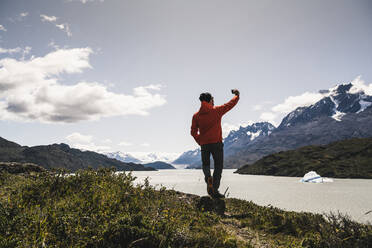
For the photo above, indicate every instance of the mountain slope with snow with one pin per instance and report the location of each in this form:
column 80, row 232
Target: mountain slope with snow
column 124, row 157
column 336, row 103
column 247, row 135
column 188, row 158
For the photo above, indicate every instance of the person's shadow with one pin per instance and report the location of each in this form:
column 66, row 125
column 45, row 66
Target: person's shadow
column 209, row 204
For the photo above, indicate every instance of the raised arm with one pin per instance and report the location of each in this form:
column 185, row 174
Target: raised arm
column 195, row 129
column 227, row 106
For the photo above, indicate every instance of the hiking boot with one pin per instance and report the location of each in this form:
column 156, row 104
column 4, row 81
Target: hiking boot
column 217, row 194
column 210, row 186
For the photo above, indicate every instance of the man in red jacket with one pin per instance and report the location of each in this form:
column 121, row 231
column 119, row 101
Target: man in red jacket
column 207, row 132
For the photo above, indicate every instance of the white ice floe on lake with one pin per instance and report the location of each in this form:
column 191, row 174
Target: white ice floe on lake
column 313, row 177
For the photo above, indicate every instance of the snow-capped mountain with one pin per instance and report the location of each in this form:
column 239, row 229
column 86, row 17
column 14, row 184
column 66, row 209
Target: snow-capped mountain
column 124, row 157
column 336, row 103
column 189, row 158
column 248, row 134
column 142, row 157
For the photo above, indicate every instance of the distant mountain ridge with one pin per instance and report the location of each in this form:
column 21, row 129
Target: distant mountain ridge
column 60, row 156
column 127, row 158
column 192, row 157
column 142, row 157
column 344, row 112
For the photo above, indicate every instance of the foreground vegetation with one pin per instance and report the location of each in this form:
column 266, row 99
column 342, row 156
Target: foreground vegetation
column 97, row 208
column 350, row 158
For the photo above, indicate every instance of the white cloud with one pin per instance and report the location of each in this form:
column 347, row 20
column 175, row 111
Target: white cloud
column 261, row 105
column 65, row 27
column 2, row 28
column 24, row 51
column 293, row 102
column 19, row 17
column 30, row 91
column 145, row 144
column 11, row 50
column 123, row 143
column 53, row 45
column 359, row 85
column 92, row 147
column 290, row 103
column 269, row 117
column 46, row 18
column 85, row 142
column 79, row 138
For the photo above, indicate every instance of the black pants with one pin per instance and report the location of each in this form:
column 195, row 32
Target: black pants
column 216, row 149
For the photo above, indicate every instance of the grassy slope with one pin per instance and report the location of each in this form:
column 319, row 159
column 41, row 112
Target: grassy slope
column 100, row 209
column 343, row 159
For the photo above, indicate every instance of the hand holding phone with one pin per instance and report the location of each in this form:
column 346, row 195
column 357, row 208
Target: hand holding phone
column 235, row 92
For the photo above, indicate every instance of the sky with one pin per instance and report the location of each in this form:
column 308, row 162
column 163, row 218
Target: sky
column 125, row 75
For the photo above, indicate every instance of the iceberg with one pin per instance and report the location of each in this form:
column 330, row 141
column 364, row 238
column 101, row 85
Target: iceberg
column 313, row 177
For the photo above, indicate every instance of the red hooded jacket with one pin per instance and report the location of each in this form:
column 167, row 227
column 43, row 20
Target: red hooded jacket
column 208, row 122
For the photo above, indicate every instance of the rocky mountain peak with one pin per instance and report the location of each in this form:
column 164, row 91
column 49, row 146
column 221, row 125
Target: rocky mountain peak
column 337, row 101
column 341, row 89
column 250, row 132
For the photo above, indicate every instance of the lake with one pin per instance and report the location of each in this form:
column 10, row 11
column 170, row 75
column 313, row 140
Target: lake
column 349, row 196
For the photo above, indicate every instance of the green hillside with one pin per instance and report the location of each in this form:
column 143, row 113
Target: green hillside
column 97, row 208
column 159, row 165
column 350, row 158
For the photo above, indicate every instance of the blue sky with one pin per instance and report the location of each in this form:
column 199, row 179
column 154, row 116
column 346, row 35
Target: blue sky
column 126, row 75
